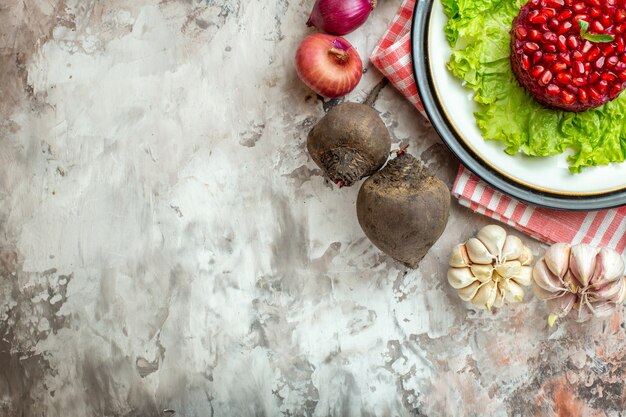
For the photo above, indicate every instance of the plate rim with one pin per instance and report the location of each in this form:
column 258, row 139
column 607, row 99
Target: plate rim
column 433, row 108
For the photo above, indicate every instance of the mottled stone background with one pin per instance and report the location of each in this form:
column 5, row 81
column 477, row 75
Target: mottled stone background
column 166, row 244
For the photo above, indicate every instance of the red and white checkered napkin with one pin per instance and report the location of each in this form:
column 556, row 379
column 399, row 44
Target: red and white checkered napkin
column 392, row 56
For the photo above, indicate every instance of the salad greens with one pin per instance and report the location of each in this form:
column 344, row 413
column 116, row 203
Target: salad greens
column 478, row 32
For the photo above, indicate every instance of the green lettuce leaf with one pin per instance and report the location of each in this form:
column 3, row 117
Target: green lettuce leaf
column 478, row 32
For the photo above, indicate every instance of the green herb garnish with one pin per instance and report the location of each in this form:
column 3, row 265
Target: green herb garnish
column 591, row 36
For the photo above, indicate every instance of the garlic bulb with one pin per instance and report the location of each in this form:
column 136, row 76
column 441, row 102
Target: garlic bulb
column 490, row 268
column 582, row 279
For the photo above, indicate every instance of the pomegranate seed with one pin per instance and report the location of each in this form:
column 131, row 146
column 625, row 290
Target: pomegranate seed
column 612, row 61
column 553, row 24
column 539, row 18
column 549, row 12
column 549, row 58
column 607, row 49
column 579, row 7
column 550, row 48
column 621, row 45
column 564, row 78
column 578, row 17
column 561, row 43
column 559, row 67
column 586, row 46
column 620, row 28
column 615, row 90
column 565, row 27
column 549, row 37
column 622, row 75
column 577, row 56
column 521, row 33
column 565, row 14
column 579, row 67
column 545, row 78
column 530, row 47
column 597, row 26
column 593, row 54
column 525, row 62
column 599, row 64
column 582, row 95
column 579, row 81
column 532, row 15
column 555, row 3
column 537, row 57
column 602, row 86
column 593, row 93
column 595, row 12
column 564, row 56
column 553, row 90
column 537, row 71
column 567, row 97
column 596, row 3
column 572, row 42
column 609, row 77
column 534, row 35
column 594, row 77
column 620, row 16
column 606, row 22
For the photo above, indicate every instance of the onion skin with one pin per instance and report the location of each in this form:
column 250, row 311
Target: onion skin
column 340, row 17
column 328, row 65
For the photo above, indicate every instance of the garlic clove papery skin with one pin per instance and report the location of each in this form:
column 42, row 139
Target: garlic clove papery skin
column 610, row 290
column 512, row 249
column 509, row 268
column 513, row 292
column 478, row 252
column 493, row 237
column 545, row 279
column 499, row 301
column 469, row 292
column 563, row 305
column 546, row 295
column 524, row 277
column 458, row 257
column 602, row 309
column 460, row 277
column 557, row 258
column 526, row 257
column 609, row 267
column 482, row 273
column 486, row 295
column 621, row 296
column 581, row 312
column 582, row 262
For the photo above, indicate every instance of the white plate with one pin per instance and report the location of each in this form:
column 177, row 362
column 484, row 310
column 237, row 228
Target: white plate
column 544, row 174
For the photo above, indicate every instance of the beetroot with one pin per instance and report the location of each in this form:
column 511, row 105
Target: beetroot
column 566, row 64
column 350, row 142
column 403, row 209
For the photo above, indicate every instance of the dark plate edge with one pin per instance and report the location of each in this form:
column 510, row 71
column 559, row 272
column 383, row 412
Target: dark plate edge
column 421, row 72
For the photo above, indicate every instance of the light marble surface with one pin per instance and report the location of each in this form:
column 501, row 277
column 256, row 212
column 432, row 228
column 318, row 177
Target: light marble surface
column 166, row 244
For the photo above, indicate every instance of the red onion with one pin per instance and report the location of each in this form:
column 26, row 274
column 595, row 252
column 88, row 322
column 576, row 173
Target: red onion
column 340, row 17
column 328, row 65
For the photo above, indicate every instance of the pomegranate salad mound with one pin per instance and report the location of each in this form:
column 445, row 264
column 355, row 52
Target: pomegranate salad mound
column 561, row 62
column 548, row 75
